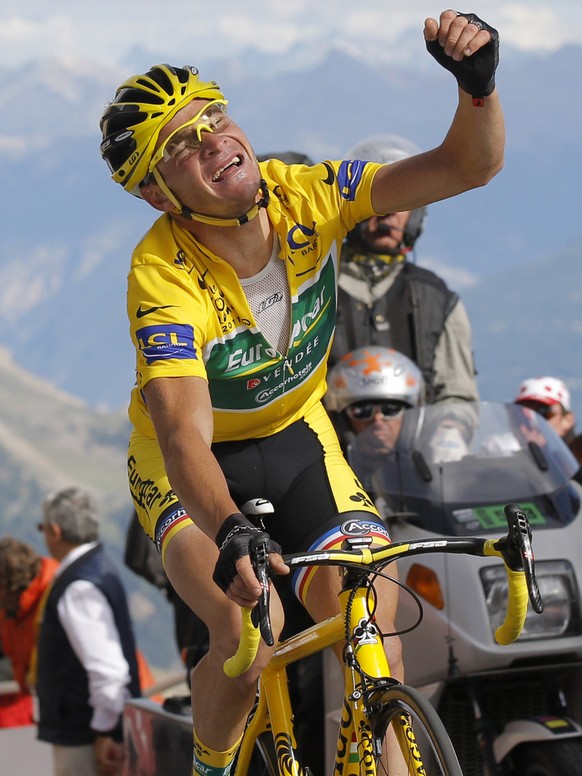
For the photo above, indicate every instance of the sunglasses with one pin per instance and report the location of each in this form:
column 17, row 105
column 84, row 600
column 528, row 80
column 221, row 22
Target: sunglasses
column 367, row 410
column 187, row 139
column 545, row 410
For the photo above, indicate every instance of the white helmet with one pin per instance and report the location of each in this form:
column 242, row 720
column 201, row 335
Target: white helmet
column 545, row 390
column 387, row 149
column 383, row 148
column 373, row 373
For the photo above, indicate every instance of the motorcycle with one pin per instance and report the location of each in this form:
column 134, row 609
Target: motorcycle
column 511, row 710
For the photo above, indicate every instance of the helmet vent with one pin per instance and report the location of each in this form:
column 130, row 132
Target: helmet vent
column 159, row 75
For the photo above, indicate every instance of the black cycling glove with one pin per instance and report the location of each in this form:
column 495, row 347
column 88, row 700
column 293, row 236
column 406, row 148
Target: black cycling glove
column 233, row 541
column 475, row 74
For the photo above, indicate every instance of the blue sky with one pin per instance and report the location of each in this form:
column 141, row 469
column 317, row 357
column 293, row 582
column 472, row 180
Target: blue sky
column 109, row 31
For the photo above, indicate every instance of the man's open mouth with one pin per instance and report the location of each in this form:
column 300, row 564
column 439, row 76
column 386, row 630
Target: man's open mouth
column 235, row 162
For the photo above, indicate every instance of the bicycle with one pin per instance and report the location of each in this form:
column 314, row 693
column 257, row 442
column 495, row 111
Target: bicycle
column 373, row 700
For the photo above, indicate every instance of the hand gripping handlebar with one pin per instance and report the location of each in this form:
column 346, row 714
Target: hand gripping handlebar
column 255, row 622
column 515, row 549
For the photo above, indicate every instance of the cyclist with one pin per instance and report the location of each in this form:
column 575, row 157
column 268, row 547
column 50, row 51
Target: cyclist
column 231, row 302
column 386, row 299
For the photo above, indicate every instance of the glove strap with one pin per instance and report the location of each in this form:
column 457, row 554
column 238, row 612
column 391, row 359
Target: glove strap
column 231, row 526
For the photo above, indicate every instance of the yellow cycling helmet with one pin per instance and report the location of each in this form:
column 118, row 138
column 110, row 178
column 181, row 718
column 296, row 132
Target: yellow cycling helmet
column 143, row 105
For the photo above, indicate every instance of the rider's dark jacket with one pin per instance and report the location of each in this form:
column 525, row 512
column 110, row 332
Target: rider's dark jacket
column 411, row 310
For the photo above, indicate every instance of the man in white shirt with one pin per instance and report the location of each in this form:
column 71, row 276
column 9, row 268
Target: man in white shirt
column 87, row 665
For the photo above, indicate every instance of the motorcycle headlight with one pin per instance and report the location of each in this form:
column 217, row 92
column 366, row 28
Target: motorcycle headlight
column 559, row 591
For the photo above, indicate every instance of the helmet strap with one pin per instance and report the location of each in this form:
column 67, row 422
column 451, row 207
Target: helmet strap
column 213, row 220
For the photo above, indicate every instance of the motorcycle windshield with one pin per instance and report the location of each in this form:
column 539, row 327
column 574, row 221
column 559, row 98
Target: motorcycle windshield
column 453, row 466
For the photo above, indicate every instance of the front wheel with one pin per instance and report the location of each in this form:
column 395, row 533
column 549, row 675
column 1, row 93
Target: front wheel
column 548, row 758
column 264, row 758
column 423, row 739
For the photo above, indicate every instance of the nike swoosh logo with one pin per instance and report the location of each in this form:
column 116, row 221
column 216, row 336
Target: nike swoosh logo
column 147, row 310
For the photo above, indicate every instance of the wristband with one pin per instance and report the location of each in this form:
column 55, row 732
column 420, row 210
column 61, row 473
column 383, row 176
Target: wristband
column 232, row 525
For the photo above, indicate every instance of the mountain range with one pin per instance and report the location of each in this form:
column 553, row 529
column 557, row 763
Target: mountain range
column 51, row 440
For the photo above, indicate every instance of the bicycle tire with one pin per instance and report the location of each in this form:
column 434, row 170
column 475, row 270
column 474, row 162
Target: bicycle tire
column 436, row 751
column 548, row 758
column 264, row 758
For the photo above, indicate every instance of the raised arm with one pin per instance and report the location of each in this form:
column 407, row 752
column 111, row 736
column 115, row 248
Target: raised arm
column 472, row 151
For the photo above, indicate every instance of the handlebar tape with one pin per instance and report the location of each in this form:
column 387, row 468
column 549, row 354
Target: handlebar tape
column 247, row 650
column 516, row 608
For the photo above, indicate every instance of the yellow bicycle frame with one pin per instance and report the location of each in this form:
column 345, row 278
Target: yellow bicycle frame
column 355, row 746
column 355, row 753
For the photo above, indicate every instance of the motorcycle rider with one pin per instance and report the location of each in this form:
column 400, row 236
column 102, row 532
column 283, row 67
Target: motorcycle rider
column 369, row 389
column 386, row 299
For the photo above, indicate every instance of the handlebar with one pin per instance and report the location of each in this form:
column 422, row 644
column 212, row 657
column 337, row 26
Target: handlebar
column 256, row 622
column 515, row 549
column 517, row 553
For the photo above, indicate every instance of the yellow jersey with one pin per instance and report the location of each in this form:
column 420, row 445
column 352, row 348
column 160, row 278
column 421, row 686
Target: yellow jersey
column 189, row 315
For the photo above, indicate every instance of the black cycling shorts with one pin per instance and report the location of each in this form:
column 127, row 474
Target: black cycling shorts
column 317, row 498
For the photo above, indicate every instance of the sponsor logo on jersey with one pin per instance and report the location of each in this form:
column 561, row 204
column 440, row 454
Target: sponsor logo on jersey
column 349, row 178
column 270, row 301
column 362, row 528
column 268, row 393
column 306, row 321
column 141, row 311
column 302, row 238
column 175, row 340
column 177, row 516
column 245, row 357
column 254, row 383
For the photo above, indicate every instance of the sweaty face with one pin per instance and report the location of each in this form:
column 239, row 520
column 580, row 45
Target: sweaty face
column 209, row 164
column 385, row 234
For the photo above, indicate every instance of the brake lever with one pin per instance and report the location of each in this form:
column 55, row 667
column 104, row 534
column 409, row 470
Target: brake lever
column 260, row 615
column 520, row 540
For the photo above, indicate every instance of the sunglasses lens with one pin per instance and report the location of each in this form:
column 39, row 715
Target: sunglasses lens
column 187, row 138
column 361, row 411
column 367, row 410
column 545, row 410
column 391, row 410
column 190, row 137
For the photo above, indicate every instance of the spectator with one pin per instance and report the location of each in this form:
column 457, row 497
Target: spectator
column 386, row 299
column 576, row 448
column 87, row 666
column 550, row 398
column 24, row 578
